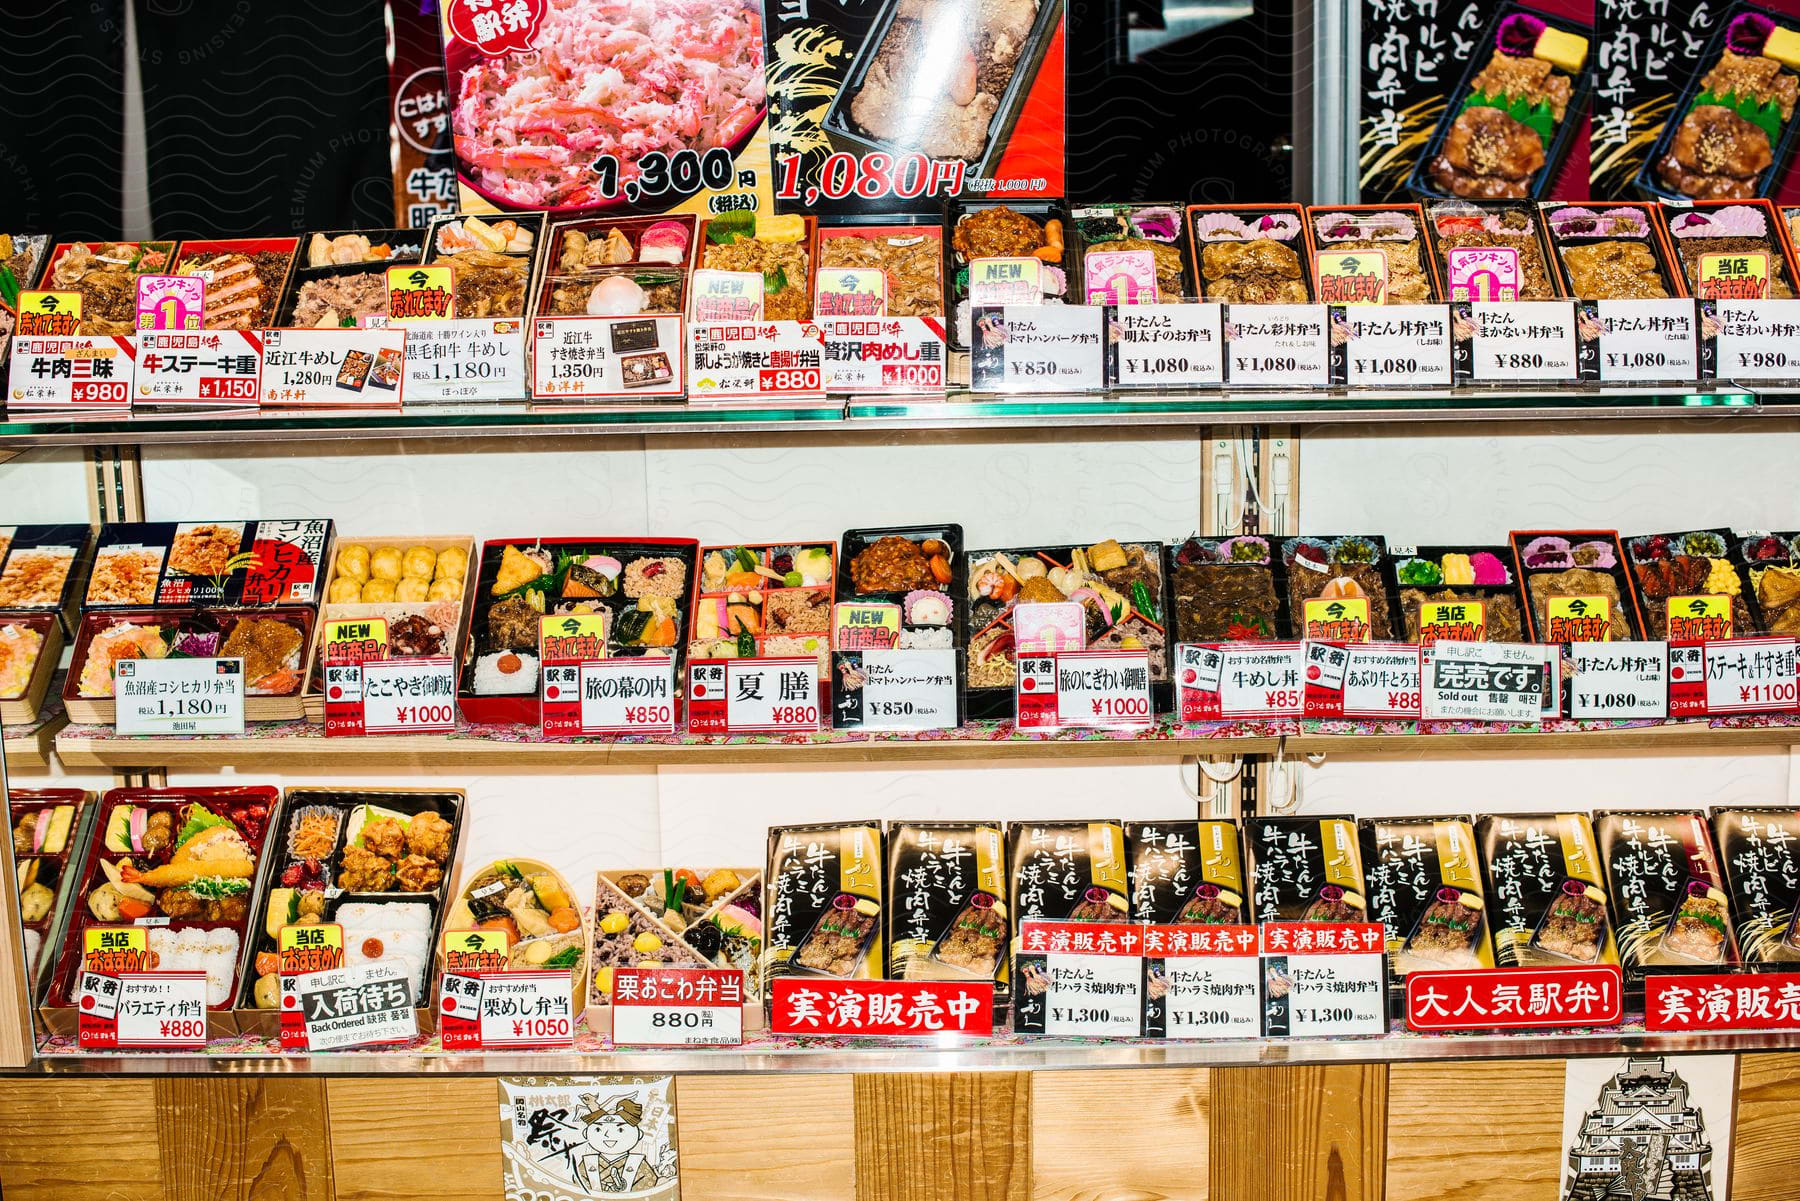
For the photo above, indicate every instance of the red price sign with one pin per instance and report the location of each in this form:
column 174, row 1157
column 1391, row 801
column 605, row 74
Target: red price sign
column 753, row 696
column 1724, row 1002
column 609, row 696
column 390, row 696
column 883, row 1008
column 1515, row 998
column 505, row 1010
column 1105, row 689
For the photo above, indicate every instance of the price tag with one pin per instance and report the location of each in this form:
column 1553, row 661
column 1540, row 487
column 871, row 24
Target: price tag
column 474, row 358
column 1524, row 340
column 1277, row 346
column 1339, row 619
column 1074, row 689
column 1377, row 680
column 525, row 1009
column 1755, row 337
column 894, row 690
column 1093, row 976
column 609, row 696
column 1750, row 675
column 324, row 368
column 881, row 1008
column 584, row 358
column 1038, row 348
column 1648, row 340
column 213, row 367
column 1198, row 669
column 87, row 371
column 1619, row 680
column 154, row 1011
column 1169, row 346
column 1203, row 982
column 755, row 360
column 1705, row 618
column 390, row 696
column 1734, row 1001
column 1324, row 979
column 884, row 355
column 1262, row 679
column 1487, row 681
column 668, row 1007
column 48, row 314
column 1452, row 621
column 170, row 302
column 1398, row 346
column 419, row 294
column 179, row 696
column 753, row 696
column 383, row 1015
column 1516, row 998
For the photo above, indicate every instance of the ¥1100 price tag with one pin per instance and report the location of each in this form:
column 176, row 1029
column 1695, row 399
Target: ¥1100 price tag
column 1648, row 340
column 1619, row 680
column 672, row 1007
column 1081, row 978
column 390, row 696
column 753, row 696
column 1277, row 346
column 1397, row 346
column 610, row 696
column 163, row 1011
column 1168, row 345
column 1751, row 675
column 506, row 1010
column 1094, row 689
column 1524, row 340
column 1324, row 979
column 179, row 696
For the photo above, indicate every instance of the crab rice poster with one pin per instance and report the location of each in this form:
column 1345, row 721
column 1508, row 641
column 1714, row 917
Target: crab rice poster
column 586, row 1138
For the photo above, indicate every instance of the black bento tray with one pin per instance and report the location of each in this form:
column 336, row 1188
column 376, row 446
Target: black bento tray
column 1283, row 627
column 1390, row 574
column 1556, row 153
column 1780, row 152
column 855, row 541
column 1278, row 563
column 1183, row 243
column 1039, row 211
column 841, row 127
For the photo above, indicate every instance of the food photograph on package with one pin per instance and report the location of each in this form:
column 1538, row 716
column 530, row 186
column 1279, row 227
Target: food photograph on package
column 769, row 600
column 1489, row 251
column 1347, row 569
column 1576, row 586
column 1731, row 250
column 1772, row 562
column 1249, row 254
column 1668, row 895
column 1611, row 252
column 1425, row 890
column 826, row 903
column 677, row 917
column 909, row 257
column 779, row 249
column 947, row 904
column 106, row 275
column 617, row 268
column 340, row 278
column 1674, row 572
column 1305, row 869
column 1452, row 575
column 1546, row 890
column 1759, row 853
column 40, row 565
column 1370, row 255
column 1061, row 871
column 1734, row 133
column 49, row 831
column 533, row 905
column 1186, row 873
column 1223, row 590
column 1132, row 253
column 244, row 564
column 492, row 259
column 245, row 278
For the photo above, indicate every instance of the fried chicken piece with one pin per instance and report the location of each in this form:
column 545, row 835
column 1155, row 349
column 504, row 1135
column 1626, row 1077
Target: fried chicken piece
column 416, row 873
column 384, row 837
column 180, row 903
column 429, row 835
column 364, row 871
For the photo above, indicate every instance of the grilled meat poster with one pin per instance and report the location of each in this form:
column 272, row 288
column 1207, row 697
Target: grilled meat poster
column 894, row 106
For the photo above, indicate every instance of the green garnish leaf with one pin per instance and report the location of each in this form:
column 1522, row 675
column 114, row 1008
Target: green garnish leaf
column 1539, row 117
column 199, row 819
column 567, row 957
column 774, row 281
column 1765, row 115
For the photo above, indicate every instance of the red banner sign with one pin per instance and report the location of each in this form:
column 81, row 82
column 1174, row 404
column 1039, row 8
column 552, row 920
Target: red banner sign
column 893, row 1008
column 1735, row 1002
column 1322, row 938
column 1196, row 941
column 1515, row 998
column 1081, row 938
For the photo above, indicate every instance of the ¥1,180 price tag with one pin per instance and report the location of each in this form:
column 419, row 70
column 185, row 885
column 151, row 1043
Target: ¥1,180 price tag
column 179, row 696
column 1619, row 680
column 1524, row 340
column 1098, row 689
column 1080, row 978
column 753, row 696
column 1751, row 675
column 672, row 1007
column 162, row 1011
column 1169, row 345
column 468, row 358
column 1277, row 346
column 609, row 696
column 1324, row 979
column 1397, row 346
column 507, row 1010
column 390, row 696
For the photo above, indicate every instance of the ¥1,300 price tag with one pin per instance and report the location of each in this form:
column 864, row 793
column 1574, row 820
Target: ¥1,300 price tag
column 610, row 696
column 1324, row 979
column 1619, row 680
column 753, row 696
column 1038, row 348
column 1203, row 981
column 179, row 696
column 142, row 1010
column 1169, row 345
column 1648, row 340
column 1277, row 346
column 390, row 696
column 671, row 1007
column 1524, row 340
column 1756, row 339
column 894, row 689
column 1398, row 346
column 1081, row 979
column 1104, row 689
column 1751, row 675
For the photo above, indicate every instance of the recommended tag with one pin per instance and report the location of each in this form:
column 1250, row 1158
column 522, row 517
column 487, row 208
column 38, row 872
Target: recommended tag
column 1092, row 973
column 583, row 358
column 1486, row 681
column 1700, row 618
column 1738, row 1001
column 755, row 360
column 996, row 282
column 1262, row 680
column 1277, row 346
column 609, row 696
column 421, row 294
column 48, row 314
column 882, row 355
column 1337, row 620
column 1352, row 277
column 753, row 696
column 573, row 637
column 1482, row 272
column 1756, row 340
column 669, row 1007
column 355, row 639
column 179, row 696
column 170, row 302
column 881, row 1008
column 894, row 690
column 1578, row 619
column 1524, row 340
column 1202, row 982
column 1100, row 689
column 1168, row 346
column 1398, row 346
column 1038, row 348
column 321, row 368
column 1735, row 275
column 1452, row 621
column 153, row 1011
column 477, row 358
column 88, row 371
column 1619, row 680
column 1750, row 675
column 390, row 696
column 1324, row 979
column 1197, row 673
column 1516, row 998
column 851, row 292
column 216, row 367
column 727, row 295
column 365, row 1006
column 302, row 949
column 115, row 950
column 1648, row 340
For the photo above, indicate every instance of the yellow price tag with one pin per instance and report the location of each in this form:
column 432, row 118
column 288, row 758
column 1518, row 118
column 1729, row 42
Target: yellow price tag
column 356, row 639
column 1700, row 618
column 1578, row 619
column 310, row 948
column 418, row 294
column 1337, row 619
column 1452, row 621
column 475, row 950
column 48, row 314
column 1352, row 276
column 115, row 949
column 1740, row 276
column 573, row 637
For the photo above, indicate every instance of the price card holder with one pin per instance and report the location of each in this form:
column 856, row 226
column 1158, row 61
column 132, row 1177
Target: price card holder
column 668, row 1007
column 755, row 360
column 1038, row 348
column 1750, row 675
column 86, row 372
column 206, row 368
column 609, row 696
column 384, row 1013
column 1324, row 979
column 1262, row 680
column 1516, row 998
column 470, row 358
column 895, row 690
column 1752, row 340
column 1368, row 680
column 179, row 696
column 1394, row 346
column 1080, row 978
column 1619, row 680
column 332, row 368
column 1277, row 346
column 1488, row 681
column 753, row 696
column 1167, row 346
column 884, row 356
column 1639, row 341
column 931, row 1009
column 1202, row 982
column 1198, row 668
column 606, row 358
column 146, row 1011
column 390, row 696
column 1519, row 340
column 506, row 1011
column 1083, row 689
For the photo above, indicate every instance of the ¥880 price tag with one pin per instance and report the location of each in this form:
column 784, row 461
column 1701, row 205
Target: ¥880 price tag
column 667, row 1007
column 142, row 1010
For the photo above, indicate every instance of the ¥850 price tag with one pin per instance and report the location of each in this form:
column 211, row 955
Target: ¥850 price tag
column 668, row 1007
column 610, row 696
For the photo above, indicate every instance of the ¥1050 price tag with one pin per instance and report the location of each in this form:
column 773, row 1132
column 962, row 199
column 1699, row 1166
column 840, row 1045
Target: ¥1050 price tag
column 163, row 1011
column 525, row 1009
column 179, row 696
column 390, row 696
column 609, row 696
column 671, row 1007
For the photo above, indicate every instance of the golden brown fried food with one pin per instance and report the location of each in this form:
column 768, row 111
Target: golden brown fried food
column 365, row 871
column 416, row 873
column 429, row 835
column 384, row 837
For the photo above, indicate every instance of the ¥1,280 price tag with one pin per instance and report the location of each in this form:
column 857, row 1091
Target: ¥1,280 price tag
column 179, row 696
column 669, row 1007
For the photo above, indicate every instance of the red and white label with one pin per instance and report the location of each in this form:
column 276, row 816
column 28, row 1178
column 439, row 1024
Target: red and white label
column 1092, row 976
column 84, row 371
column 493, row 28
column 199, row 367
column 1378, row 680
column 881, row 1008
column 1750, row 675
column 390, row 696
column 884, row 355
column 677, row 1007
column 1101, row 689
column 1208, row 979
column 1197, row 671
column 1734, row 1002
column 1322, row 938
column 160, row 1011
column 609, row 696
column 506, row 1010
column 1255, row 680
column 753, row 696
column 755, row 360
column 1514, row 998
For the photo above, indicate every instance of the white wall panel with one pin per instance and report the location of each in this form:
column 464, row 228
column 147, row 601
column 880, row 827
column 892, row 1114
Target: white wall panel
column 44, row 486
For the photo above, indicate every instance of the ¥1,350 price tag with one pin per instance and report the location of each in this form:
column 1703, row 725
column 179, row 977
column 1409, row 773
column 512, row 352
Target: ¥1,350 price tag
column 1619, row 680
column 1277, row 346
column 1648, row 340
column 1107, row 689
column 894, row 689
column 1038, row 348
column 1324, row 979
column 142, row 1010
column 753, row 696
column 1751, row 675
column 1397, row 346
column 1524, row 340
column 179, row 696
column 390, row 696
column 506, row 1010
column 1169, row 345
column 671, row 1007
column 1081, row 978
column 1487, row 681
column 609, row 696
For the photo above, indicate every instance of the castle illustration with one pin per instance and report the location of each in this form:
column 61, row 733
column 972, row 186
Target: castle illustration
column 1643, row 1140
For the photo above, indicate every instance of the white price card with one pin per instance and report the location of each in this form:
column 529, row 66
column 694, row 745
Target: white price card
column 371, row 1004
column 179, row 696
column 1169, row 345
column 1751, row 675
column 610, row 696
column 1619, row 680
column 526, row 1009
column 78, row 372
column 1203, row 981
column 1096, row 689
column 200, row 367
column 668, row 1007
column 1038, row 348
column 587, row 358
column 894, row 689
column 466, row 358
column 163, row 1011
column 884, row 355
column 755, row 360
column 1262, row 679
column 325, row 368
column 1649, row 340
column 753, row 696
column 1524, row 340
column 407, row 696
column 1277, row 346
column 1324, row 979
column 1089, row 979
column 1381, row 680
column 1487, row 681
column 1756, row 339
column 1398, row 346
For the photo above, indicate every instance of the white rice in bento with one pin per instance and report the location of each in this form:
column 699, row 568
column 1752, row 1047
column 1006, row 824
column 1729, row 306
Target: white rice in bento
column 397, row 934
column 34, row 942
column 191, row 949
column 492, row 678
column 929, row 639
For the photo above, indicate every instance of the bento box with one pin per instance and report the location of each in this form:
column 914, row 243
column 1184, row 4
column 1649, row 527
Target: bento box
column 1224, row 590
column 947, row 903
column 30, row 648
column 676, row 918
column 1759, row 852
column 921, row 569
column 1546, row 890
column 420, row 586
column 50, row 828
column 642, row 585
column 1250, row 253
column 1320, row 569
column 765, row 600
column 1132, row 253
column 537, row 909
column 341, row 280
column 782, row 249
column 1731, row 249
column 1772, row 564
column 909, row 257
column 825, row 904
column 1668, row 895
column 616, row 267
column 183, row 864
column 1060, row 871
column 1605, row 251
column 43, row 568
column 195, row 564
column 1183, row 874
column 246, row 278
column 21, row 263
column 1490, row 251
column 1305, row 869
column 106, row 273
column 1370, row 254
column 378, row 862
column 1575, row 567
column 495, row 261
column 1456, row 575
column 1035, row 230
column 1671, row 571
column 1424, row 877
column 271, row 642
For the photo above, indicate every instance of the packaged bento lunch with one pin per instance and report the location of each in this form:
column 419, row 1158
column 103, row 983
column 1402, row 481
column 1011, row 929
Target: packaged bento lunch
column 780, row 249
column 618, row 267
column 1611, row 252
column 1223, row 590
column 675, row 917
column 245, row 278
column 1370, row 254
column 893, row 271
column 1731, row 249
column 42, row 568
column 1186, row 873
column 1667, row 893
column 532, row 904
column 765, row 600
column 340, row 279
column 376, row 861
column 1732, row 132
column 1305, row 869
column 1001, row 254
column 30, row 646
column 1324, row 571
column 1489, row 251
column 825, row 903
column 1546, row 890
column 1759, row 853
column 235, row 564
column 1576, row 586
column 1425, row 890
column 1066, row 871
column 1132, row 253
column 1250, row 254
column 1690, row 588
column 947, row 906
column 493, row 261
column 21, row 261
column 106, row 274
column 920, row 570
column 1457, row 594
column 1772, row 562
column 50, row 829
column 271, row 642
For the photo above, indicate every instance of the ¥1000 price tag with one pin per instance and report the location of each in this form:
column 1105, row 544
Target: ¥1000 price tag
column 672, row 1007
column 1751, row 675
column 1094, row 689
column 390, row 696
column 142, row 1010
column 179, row 696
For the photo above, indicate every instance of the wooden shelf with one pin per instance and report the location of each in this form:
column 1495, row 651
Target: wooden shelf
column 29, row 746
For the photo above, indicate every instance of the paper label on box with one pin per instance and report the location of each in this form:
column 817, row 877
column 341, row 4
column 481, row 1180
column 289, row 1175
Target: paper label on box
column 1197, row 672
column 161, row 1011
column 85, row 371
column 1570, row 619
column 1452, row 621
column 1735, row 275
column 419, row 294
column 1524, row 340
column 753, row 696
column 1323, row 979
column 1045, row 628
column 996, row 282
column 755, row 359
column 667, row 1007
column 1398, row 346
column 1100, row 689
column 1755, row 339
column 390, row 696
column 1486, row 681
column 1206, row 981
column 115, row 950
column 1619, row 680
column 1751, row 675
column 302, row 949
column 1340, row 619
column 475, row 358
column 1277, row 346
column 894, row 689
column 1352, row 277
column 355, row 640
column 179, row 696
column 1648, row 340
column 211, row 367
column 1038, row 348
column 813, row 1005
column 48, row 314
column 883, row 355
column 1120, row 277
column 609, row 696
column 1262, row 679
column 573, row 637
column 727, row 295
column 170, row 302
column 1169, row 346
column 851, row 292
column 1704, row 618
column 318, row 368
column 584, row 358
column 865, row 626
column 382, row 1012
column 1482, row 272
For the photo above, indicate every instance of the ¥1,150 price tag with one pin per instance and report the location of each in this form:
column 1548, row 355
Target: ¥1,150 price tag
column 506, row 1010
column 753, row 696
column 1650, row 340
column 1324, row 979
column 1751, row 675
column 1619, row 680
column 179, row 696
column 390, row 696
column 1096, row 689
column 163, row 1011
column 894, row 689
column 1277, row 346
column 1397, row 346
column 1524, row 340
column 1202, row 981
column 205, row 367
column 609, row 696
column 672, row 1007
column 1081, row 978
column 1169, row 345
